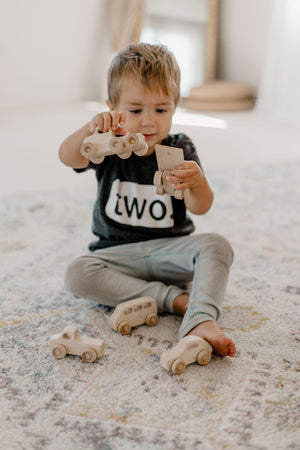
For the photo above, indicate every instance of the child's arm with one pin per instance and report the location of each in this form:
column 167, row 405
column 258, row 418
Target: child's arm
column 69, row 151
column 198, row 196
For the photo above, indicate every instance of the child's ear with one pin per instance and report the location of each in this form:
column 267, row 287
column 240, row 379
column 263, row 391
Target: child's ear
column 109, row 105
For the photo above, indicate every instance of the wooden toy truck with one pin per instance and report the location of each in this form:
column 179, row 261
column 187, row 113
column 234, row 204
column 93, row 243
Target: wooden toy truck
column 132, row 313
column 168, row 158
column 69, row 342
column 188, row 350
column 99, row 145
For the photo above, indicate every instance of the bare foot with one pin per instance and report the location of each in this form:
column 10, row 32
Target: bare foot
column 180, row 304
column 210, row 331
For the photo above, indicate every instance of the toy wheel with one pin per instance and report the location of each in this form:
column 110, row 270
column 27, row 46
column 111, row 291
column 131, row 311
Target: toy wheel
column 203, row 357
column 89, row 355
column 178, row 367
column 59, row 352
column 179, row 194
column 124, row 155
column 151, row 320
column 142, row 151
column 98, row 160
column 157, row 179
column 115, row 144
column 124, row 328
column 88, row 149
column 131, row 141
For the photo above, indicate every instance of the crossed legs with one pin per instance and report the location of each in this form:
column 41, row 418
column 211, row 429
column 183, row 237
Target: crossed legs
column 157, row 268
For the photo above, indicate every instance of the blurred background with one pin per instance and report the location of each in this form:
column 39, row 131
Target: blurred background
column 55, row 55
column 58, row 52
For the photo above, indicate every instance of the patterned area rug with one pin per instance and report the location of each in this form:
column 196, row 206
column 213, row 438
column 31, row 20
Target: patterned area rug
column 126, row 400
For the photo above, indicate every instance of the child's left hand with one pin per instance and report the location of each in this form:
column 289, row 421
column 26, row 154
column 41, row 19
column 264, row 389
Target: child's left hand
column 186, row 176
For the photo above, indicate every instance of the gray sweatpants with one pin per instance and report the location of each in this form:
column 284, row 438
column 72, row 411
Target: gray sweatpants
column 157, row 268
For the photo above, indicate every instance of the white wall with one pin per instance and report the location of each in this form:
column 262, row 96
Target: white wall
column 181, row 26
column 57, row 52
column 50, row 51
column 243, row 37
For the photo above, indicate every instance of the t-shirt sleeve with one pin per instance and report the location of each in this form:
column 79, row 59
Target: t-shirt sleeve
column 91, row 165
column 189, row 149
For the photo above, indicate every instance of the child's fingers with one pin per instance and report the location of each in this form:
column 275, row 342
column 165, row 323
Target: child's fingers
column 188, row 172
column 97, row 122
column 102, row 121
column 181, row 186
column 122, row 118
column 118, row 121
column 121, row 131
column 116, row 117
column 187, row 175
column 93, row 126
column 187, row 168
column 182, row 174
column 107, row 121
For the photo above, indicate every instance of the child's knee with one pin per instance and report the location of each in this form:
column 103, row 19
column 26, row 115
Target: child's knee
column 223, row 247
column 73, row 275
column 78, row 274
column 216, row 244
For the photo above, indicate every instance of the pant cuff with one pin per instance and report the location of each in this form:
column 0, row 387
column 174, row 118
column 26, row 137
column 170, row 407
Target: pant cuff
column 188, row 325
column 175, row 291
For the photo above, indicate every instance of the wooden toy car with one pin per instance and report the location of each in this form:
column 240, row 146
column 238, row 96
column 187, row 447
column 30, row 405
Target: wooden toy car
column 99, row 145
column 168, row 158
column 188, row 350
column 69, row 342
column 132, row 313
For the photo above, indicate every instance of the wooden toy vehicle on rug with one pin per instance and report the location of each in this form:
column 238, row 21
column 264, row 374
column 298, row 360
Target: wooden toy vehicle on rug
column 188, row 350
column 99, row 145
column 69, row 342
column 168, row 158
column 132, row 313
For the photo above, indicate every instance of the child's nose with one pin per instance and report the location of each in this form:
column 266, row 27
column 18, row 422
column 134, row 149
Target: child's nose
column 147, row 119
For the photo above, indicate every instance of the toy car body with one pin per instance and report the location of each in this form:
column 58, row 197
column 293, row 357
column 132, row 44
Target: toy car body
column 99, row 145
column 132, row 313
column 168, row 158
column 69, row 342
column 188, row 350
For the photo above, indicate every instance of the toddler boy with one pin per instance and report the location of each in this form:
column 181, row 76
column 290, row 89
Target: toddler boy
column 144, row 244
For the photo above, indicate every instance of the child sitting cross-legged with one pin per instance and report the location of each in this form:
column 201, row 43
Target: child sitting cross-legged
column 145, row 243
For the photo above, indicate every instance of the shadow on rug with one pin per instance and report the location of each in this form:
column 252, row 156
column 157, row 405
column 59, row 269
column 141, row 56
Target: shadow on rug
column 126, row 400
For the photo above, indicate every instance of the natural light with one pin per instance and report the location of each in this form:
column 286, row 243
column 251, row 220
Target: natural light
column 183, row 117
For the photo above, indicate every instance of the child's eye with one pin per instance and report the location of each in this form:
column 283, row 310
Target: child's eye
column 160, row 111
column 135, row 111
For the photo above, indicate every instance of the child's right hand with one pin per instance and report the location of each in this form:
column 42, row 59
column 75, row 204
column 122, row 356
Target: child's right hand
column 108, row 120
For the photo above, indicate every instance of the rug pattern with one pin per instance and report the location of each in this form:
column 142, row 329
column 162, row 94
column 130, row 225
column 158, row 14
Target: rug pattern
column 126, row 400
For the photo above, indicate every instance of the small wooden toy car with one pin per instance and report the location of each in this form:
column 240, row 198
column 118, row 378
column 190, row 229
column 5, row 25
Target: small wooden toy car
column 168, row 158
column 132, row 313
column 99, row 145
column 188, row 350
column 69, row 342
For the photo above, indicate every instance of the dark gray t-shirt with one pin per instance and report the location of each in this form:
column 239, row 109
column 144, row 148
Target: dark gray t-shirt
column 127, row 208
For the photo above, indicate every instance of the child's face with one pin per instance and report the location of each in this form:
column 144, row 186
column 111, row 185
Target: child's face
column 147, row 111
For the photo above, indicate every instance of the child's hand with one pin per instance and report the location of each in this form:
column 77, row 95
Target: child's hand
column 108, row 120
column 198, row 196
column 186, row 176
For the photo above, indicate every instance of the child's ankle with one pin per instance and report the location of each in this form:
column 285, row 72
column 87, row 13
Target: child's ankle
column 180, row 304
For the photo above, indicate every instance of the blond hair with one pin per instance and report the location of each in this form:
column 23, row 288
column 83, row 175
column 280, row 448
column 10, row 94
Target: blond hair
column 153, row 64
